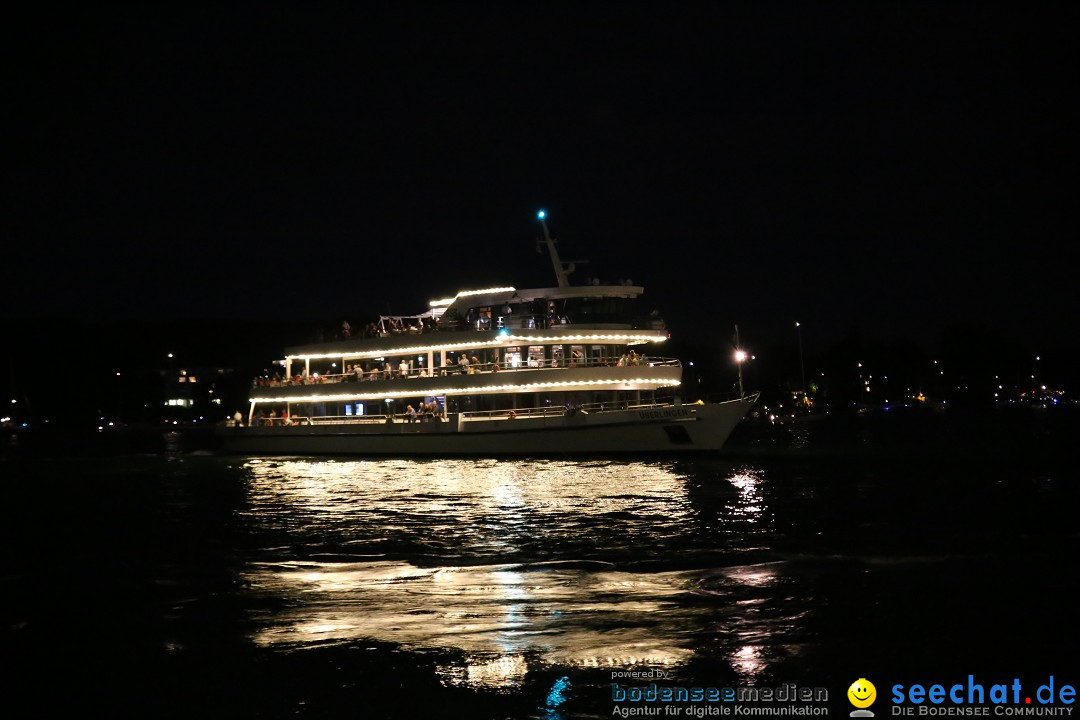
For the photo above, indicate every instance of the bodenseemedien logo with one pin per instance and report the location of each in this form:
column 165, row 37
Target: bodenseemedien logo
column 862, row 694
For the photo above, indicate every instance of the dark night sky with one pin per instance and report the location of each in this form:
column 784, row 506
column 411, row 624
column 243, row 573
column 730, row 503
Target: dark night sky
column 898, row 168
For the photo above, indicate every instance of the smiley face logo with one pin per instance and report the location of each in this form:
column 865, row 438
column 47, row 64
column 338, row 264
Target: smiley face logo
column 862, row 693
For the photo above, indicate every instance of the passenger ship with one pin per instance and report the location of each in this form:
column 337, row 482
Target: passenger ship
column 498, row 371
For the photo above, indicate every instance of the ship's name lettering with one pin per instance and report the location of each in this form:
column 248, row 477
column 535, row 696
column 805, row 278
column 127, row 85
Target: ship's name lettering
column 656, row 414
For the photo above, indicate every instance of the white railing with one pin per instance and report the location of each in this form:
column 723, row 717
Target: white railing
column 307, row 421
column 560, row 410
column 471, row 368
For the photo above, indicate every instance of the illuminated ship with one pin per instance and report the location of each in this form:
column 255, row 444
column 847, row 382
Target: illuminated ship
column 499, row 371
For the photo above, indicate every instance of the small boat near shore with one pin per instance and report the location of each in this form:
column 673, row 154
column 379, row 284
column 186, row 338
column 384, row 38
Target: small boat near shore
column 569, row 369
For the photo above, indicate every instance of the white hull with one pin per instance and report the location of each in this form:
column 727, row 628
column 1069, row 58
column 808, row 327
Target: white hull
column 673, row 428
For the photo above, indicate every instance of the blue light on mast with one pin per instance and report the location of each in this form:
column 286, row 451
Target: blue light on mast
column 541, row 215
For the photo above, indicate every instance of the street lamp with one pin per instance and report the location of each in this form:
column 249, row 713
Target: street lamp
column 802, row 367
column 740, row 357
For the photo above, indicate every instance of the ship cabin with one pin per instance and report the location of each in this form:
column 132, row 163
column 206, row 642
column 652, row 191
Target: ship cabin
column 496, row 353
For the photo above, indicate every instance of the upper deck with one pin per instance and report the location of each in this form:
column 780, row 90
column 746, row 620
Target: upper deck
column 594, row 306
column 648, row 373
column 392, row 344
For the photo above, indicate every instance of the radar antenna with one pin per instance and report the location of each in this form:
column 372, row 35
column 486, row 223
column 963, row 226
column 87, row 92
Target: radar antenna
column 562, row 269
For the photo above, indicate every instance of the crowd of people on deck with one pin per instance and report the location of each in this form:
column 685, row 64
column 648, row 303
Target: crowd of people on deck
column 369, row 330
column 272, row 419
column 631, row 358
column 465, row 365
column 386, row 326
column 424, row 412
column 472, row 319
column 421, row 412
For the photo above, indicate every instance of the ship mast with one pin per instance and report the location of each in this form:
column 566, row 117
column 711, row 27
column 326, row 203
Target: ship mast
column 562, row 270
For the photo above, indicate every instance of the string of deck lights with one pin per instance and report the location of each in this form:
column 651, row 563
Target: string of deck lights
column 506, row 340
column 468, row 293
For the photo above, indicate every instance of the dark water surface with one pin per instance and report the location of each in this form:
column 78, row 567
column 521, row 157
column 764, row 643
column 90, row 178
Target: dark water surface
column 900, row 549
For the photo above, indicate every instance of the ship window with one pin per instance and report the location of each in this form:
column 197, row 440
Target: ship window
column 348, row 409
column 483, row 321
column 359, row 409
column 600, row 309
column 536, row 355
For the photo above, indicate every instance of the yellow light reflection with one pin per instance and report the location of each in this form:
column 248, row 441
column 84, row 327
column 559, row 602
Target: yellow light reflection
column 499, row 620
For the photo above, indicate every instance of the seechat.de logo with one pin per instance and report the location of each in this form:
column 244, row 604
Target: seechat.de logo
column 862, row 695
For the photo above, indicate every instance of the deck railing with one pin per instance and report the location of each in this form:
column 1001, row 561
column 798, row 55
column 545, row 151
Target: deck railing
column 533, row 321
column 301, row 420
column 504, row 414
column 560, row 410
column 396, row 373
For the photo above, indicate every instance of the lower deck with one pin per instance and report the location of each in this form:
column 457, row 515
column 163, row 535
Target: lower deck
column 642, row 428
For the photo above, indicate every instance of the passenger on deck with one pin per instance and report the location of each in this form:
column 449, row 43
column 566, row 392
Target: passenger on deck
column 410, row 414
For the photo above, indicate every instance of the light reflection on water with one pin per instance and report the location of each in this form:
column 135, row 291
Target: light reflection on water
column 747, row 481
column 511, row 566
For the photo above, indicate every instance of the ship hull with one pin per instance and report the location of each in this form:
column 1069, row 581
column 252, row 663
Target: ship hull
column 667, row 429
